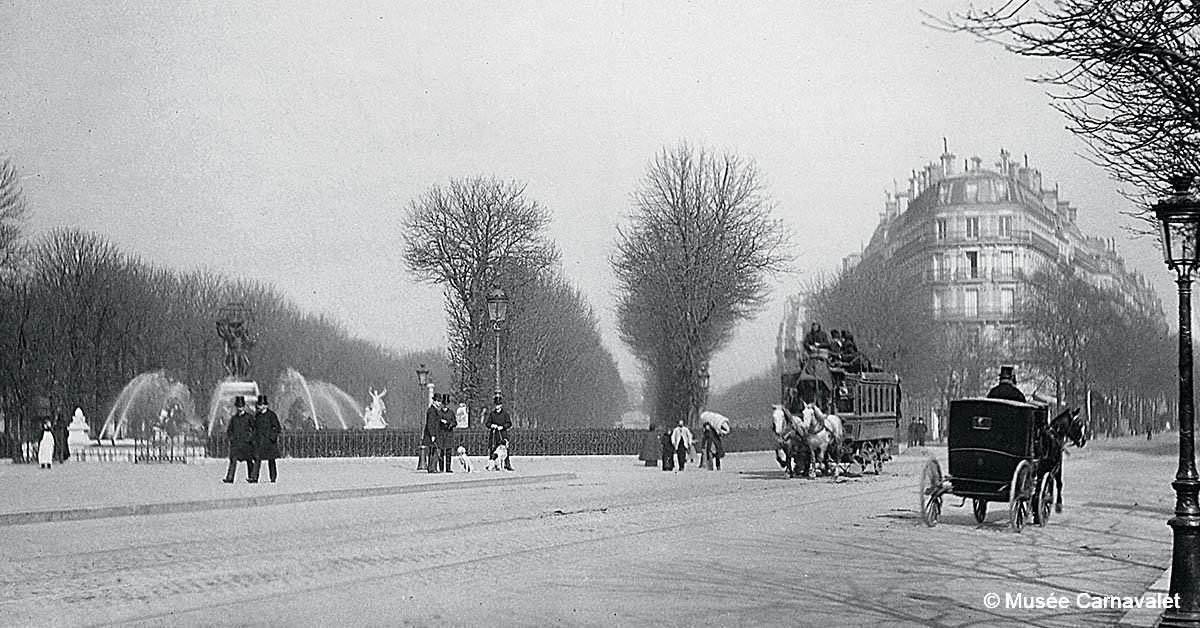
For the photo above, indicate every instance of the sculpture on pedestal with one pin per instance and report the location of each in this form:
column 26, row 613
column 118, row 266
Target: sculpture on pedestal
column 234, row 329
column 373, row 418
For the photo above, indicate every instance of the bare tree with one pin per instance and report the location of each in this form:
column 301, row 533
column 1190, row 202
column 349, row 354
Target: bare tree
column 1127, row 78
column 692, row 262
column 12, row 213
column 469, row 236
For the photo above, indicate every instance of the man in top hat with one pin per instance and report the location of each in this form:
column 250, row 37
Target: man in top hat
column 433, row 435
column 266, row 438
column 446, row 425
column 499, row 422
column 1007, row 388
column 241, row 440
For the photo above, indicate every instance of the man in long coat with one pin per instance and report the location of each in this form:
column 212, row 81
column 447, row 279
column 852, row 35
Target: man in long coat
column 499, row 422
column 266, row 438
column 433, row 430
column 241, row 440
column 446, row 424
column 1007, row 388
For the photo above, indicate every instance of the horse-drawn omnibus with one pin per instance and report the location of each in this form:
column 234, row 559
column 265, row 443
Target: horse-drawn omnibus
column 866, row 400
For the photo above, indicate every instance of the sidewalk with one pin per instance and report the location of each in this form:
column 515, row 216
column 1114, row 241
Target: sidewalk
column 90, row 490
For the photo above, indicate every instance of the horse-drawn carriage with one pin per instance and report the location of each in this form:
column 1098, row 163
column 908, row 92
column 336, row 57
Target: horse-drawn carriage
column 865, row 404
column 1001, row 451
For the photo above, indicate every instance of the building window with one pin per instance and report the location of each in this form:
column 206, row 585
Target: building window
column 941, row 229
column 1004, row 228
column 973, row 264
column 1006, row 300
column 1001, row 190
column 1007, row 269
column 1010, row 337
column 972, row 192
column 937, row 303
column 944, row 192
column 971, row 306
column 973, row 228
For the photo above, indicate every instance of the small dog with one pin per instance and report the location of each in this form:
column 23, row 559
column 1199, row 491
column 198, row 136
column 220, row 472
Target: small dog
column 497, row 463
column 461, row 461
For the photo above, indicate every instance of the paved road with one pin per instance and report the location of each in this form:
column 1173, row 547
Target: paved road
column 619, row 545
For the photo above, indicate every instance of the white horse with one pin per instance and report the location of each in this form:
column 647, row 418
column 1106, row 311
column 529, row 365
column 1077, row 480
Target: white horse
column 791, row 452
column 824, row 434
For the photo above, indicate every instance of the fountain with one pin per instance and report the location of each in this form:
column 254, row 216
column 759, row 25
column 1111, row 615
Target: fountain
column 312, row 403
column 149, row 400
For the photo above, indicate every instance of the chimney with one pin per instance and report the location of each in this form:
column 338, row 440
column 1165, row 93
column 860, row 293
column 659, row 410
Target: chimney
column 975, row 163
column 1003, row 165
column 947, row 159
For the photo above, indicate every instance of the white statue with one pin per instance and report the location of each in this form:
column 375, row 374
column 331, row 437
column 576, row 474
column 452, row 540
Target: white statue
column 79, row 434
column 373, row 418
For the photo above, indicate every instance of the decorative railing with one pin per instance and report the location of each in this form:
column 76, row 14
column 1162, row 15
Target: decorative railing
column 525, row 442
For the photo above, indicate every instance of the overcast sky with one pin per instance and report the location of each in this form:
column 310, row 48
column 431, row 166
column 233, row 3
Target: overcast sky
column 180, row 132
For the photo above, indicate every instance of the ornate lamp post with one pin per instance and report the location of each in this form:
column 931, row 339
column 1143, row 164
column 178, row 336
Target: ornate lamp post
column 423, row 451
column 497, row 303
column 1180, row 218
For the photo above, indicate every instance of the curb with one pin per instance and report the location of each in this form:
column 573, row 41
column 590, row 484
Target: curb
column 103, row 512
column 1147, row 617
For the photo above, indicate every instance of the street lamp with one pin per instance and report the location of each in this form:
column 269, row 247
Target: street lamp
column 1180, row 218
column 497, row 303
column 423, row 450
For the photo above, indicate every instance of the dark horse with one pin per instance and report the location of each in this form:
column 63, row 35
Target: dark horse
column 1066, row 426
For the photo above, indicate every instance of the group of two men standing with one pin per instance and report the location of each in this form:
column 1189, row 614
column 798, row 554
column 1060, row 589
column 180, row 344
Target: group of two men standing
column 439, row 432
column 253, row 438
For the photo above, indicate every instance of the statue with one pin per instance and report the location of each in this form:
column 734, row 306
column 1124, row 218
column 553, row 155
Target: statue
column 373, row 418
column 233, row 328
column 80, row 432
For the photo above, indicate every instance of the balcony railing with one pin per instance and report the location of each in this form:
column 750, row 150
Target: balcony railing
column 963, row 313
column 978, row 274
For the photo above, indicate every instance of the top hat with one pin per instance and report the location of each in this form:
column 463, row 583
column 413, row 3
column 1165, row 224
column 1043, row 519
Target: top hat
column 262, row 400
column 1006, row 372
column 239, row 401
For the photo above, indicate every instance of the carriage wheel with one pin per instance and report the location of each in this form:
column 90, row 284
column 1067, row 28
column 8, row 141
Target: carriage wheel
column 979, row 507
column 1020, row 494
column 1045, row 499
column 929, row 493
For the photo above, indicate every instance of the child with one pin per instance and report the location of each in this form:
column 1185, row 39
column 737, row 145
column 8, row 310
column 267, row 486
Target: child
column 46, row 446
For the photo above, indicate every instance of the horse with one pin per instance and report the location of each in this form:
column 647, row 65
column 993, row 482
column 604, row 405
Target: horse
column 790, row 450
column 824, row 434
column 1066, row 426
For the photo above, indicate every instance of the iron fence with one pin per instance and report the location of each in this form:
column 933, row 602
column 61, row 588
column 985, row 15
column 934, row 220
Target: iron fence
column 525, row 442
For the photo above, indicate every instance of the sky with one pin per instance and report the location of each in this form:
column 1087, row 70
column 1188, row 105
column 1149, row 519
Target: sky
column 282, row 142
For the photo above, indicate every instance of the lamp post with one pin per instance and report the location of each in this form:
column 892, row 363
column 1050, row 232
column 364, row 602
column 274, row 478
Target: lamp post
column 423, row 450
column 497, row 303
column 1180, row 218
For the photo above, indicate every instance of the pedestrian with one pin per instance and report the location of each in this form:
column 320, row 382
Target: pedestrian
column 710, row 444
column 668, row 451
column 500, row 424
column 921, row 431
column 446, row 442
column 649, row 453
column 241, row 440
column 46, row 445
column 912, row 433
column 681, row 437
column 433, row 429
column 61, row 451
column 266, row 438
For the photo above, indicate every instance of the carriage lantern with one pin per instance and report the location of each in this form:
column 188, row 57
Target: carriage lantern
column 1180, row 218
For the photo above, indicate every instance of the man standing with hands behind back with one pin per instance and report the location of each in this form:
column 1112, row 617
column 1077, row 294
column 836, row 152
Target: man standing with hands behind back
column 241, row 440
column 266, row 438
column 499, row 422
